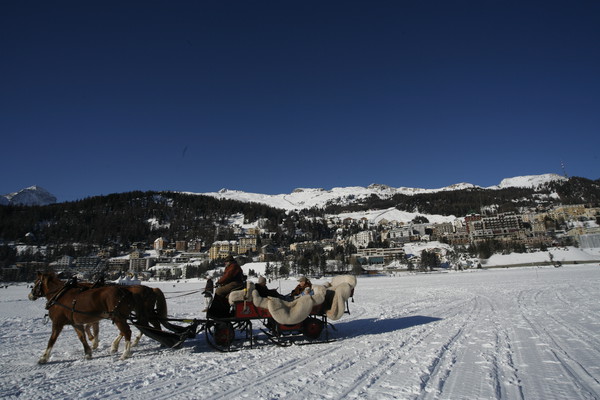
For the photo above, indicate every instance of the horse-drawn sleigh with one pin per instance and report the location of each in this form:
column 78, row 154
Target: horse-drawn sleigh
column 228, row 324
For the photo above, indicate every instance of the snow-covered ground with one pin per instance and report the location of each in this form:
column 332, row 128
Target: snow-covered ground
column 565, row 255
column 518, row 333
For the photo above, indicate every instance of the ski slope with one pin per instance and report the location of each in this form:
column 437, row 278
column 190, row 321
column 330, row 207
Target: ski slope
column 520, row 333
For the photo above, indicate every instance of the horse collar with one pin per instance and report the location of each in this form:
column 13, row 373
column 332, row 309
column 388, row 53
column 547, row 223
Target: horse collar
column 59, row 292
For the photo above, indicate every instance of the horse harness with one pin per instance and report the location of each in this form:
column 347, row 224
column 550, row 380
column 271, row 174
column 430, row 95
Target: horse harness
column 72, row 285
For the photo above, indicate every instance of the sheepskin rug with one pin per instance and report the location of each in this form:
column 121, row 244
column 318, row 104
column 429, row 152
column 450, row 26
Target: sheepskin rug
column 296, row 311
column 343, row 286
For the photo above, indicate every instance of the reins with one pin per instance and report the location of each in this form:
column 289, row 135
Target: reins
column 181, row 295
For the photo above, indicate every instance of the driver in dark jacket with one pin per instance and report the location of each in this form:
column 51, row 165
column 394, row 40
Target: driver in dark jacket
column 232, row 279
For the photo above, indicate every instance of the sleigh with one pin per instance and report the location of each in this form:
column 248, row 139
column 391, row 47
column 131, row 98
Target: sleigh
column 229, row 323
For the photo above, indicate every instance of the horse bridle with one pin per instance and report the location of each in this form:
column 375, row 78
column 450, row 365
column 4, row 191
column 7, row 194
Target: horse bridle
column 37, row 290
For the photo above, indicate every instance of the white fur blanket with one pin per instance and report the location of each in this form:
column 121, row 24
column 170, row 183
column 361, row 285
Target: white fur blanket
column 294, row 312
column 342, row 285
column 339, row 279
column 290, row 312
column 241, row 295
column 284, row 312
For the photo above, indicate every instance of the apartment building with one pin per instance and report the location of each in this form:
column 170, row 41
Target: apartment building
column 398, row 235
column 160, row 243
column 223, row 248
column 362, row 239
column 248, row 244
column 504, row 223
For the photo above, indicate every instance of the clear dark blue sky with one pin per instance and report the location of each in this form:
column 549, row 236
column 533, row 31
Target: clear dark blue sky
column 100, row 97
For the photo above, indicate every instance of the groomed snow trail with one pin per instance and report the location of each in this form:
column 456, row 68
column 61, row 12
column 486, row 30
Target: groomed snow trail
column 524, row 333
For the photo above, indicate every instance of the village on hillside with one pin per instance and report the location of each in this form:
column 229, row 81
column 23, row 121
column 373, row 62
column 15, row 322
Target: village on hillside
column 361, row 245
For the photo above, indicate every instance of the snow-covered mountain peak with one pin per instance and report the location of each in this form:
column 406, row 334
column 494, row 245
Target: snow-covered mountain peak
column 530, row 181
column 31, row 196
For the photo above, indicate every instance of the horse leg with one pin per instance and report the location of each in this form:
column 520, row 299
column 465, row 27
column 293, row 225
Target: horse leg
column 93, row 331
column 96, row 333
column 56, row 329
column 126, row 332
column 88, row 331
column 86, row 347
column 137, row 339
column 115, row 344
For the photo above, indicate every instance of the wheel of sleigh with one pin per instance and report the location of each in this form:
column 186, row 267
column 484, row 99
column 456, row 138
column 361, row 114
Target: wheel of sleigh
column 312, row 328
column 220, row 334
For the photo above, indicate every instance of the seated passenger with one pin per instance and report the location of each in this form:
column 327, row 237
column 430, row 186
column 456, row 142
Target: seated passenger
column 263, row 290
column 303, row 284
column 307, row 292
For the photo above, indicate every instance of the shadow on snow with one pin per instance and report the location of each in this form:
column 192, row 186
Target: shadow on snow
column 373, row 326
column 343, row 330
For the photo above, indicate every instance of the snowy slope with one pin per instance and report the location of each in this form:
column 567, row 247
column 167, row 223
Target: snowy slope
column 559, row 254
column 523, row 333
column 393, row 214
column 307, row 198
column 530, row 181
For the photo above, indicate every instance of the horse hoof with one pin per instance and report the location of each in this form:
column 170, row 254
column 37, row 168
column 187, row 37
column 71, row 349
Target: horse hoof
column 42, row 361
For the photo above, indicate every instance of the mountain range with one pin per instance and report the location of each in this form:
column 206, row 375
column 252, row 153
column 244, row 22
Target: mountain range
column 307, row 198
column 304, row 198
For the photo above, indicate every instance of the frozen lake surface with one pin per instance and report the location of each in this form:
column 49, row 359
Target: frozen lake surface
column 521, row 333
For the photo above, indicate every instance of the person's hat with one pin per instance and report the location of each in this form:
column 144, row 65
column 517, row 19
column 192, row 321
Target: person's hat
column 302, row 279
column 262, row 280
column 229, row 258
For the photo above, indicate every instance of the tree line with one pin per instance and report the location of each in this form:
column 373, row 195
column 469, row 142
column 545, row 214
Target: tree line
column 124, row 218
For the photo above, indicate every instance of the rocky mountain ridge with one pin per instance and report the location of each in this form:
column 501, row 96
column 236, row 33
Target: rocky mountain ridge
column 31, row 196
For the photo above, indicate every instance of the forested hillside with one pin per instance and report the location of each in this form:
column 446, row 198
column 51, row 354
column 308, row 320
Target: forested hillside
column 463, row 202
column 128, row 217
column 122, row 219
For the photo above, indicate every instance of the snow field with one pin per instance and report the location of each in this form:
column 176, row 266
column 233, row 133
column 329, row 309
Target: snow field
column 520, row 333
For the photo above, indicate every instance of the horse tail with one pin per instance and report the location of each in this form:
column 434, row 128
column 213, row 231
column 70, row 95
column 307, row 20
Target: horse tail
column 161, row 303
column 140, row 315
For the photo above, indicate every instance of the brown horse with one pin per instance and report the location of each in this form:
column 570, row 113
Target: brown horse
column 150, row 308
column 69, row 305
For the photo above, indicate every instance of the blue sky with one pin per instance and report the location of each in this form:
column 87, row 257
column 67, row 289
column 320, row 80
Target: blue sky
column 101, row 97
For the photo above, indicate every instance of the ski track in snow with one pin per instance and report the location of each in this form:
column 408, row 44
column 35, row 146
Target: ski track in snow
column 520, row 333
